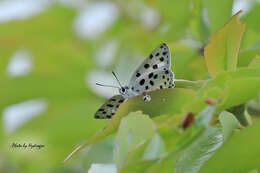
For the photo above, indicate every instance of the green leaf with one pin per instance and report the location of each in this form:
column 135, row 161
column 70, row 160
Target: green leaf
column 165, row 164
column 197, row 24
column 134, row 130
column 197, row 153
column 199, row 139
column 38, row 88
column 246, row 56
column 161, row 104
column 186, row 57
column 252, row 16
column 197, row 128
column 205, row 116
column 255, row 63
column 155, row 148
column 253, row 171
column 229, row 124
column 182, row 55
column 240, row 112
column 170, row 134
column 227, row 88
column 190, row 149
column 137, row 154
column 138, row 167
column 99, row 152
column 197, row 105
column 180, row 14
column 250, row 40
column 239, row 154
column 250, row 87
column 222, row 51
column 218, row 12
column 252, row 36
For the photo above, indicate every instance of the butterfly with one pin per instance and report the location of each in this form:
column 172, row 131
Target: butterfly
column 154, row 73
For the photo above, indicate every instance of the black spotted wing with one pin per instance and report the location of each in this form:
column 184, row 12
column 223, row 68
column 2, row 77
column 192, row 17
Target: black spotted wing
column 160, row 58
column 109, row 108
column 154, row 73
column 157, row 79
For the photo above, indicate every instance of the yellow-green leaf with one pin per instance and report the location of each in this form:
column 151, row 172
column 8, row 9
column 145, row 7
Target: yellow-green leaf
column 222, row 51
column 255, row 63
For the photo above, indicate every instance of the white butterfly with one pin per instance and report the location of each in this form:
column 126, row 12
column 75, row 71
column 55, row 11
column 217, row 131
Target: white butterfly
column 154, row 73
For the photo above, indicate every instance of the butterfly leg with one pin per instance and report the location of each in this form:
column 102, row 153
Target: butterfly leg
column 146, row 97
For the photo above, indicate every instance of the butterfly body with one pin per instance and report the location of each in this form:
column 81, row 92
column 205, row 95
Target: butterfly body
column 127, row 92
column 154, row 73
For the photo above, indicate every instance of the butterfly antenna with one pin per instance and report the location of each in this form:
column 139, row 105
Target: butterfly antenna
column 117, row 79
column 107, row 85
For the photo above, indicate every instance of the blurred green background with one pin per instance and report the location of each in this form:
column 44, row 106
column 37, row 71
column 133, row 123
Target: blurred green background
column 52, row 53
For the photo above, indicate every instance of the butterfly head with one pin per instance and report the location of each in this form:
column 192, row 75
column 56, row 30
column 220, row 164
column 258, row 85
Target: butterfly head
column 124, row 91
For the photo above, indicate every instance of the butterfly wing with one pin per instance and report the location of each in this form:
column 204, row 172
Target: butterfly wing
column 109, row 108
column 160, row 58
column 158, row 79
column 154, row 73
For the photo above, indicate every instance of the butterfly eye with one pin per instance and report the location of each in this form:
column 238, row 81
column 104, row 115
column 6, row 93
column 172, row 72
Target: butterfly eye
column 123, row 89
